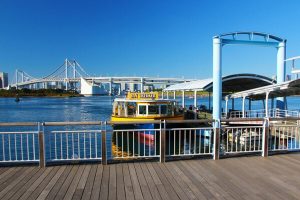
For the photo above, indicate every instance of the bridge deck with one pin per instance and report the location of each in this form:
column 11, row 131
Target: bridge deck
column 275, row 177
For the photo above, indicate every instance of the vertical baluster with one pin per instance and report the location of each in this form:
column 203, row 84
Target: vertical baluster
column 227, row 140
column 139, row 143
column 73, row 146
column 78, row 145
column 27, row 146
column 9, row 149
column 195, row 141
column 61, row 146
column 67, row 141
column 200, row 140
column 33, row 144
column 190, row 137
column 209, row 141
column 84, row 147
column 22, row 155
column 90, row 134
column 133, row 147
column 174, row 142
column 117, row 144
column 55, row 149
column 16, row 157
column 204, row 146
column 96, row 148
column 144, row 143
column 179, row 142
column 3, row 148
column 122, row 146
column 184, row 141
column 155, row 143
column 128, row 143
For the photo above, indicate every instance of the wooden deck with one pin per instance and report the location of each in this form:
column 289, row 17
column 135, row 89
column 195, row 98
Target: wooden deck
column 275, row 177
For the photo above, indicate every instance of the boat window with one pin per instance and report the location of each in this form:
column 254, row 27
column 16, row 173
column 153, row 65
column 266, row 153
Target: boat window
column 131, row 108
column 170, row 109
column 142, row 110
column 163, row 109
column 153, row 109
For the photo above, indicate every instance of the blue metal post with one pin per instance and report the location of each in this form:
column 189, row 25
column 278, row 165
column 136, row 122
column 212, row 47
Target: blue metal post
column 217, row 79
column 281, row 71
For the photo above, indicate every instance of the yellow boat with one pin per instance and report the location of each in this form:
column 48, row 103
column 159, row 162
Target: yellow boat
column 137, row 107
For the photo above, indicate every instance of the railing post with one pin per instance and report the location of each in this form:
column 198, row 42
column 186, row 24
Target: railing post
column 41, row 146
column 103, row 145
column 265, row 138
column 162, row 157
column 216, row 145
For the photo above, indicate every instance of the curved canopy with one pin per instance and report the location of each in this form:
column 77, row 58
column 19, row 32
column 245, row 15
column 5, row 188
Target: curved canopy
column 231, row 83
column 251, row 35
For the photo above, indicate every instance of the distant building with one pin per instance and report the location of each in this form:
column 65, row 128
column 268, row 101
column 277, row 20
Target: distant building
column 3, row 80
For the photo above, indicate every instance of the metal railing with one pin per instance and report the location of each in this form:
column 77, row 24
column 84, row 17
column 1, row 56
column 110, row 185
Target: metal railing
column 53, row 142
column 273, row 113
column 241, row 139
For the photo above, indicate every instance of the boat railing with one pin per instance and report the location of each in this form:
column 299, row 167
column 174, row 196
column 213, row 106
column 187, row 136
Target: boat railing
column 64, row 142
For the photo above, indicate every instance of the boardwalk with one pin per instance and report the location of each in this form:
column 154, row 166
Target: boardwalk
column 275, row 177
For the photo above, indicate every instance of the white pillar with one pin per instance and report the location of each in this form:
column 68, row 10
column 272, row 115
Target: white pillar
column 281, row 70
column 183, row 98
column 243, row 106
column 142, row 85
column 217, row 79
column 226, row 106
column 266, row 104
column 195, row 98
column 167, row 94
column 162, row 94
column 174, row 94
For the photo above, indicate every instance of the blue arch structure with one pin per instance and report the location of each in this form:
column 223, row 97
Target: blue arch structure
column 244, row 38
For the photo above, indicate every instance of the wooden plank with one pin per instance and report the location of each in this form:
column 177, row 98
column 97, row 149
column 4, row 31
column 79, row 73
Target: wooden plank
column 72, row 187
column 63, row 189
column 105, row 183
column 112, row 189
column 127, row 181
column 97, row 183
column 52, row 194
column 43, row 184
column 8, row 175
column 120, row 183
column 172, row 182
column 81, row 185
column 7, row 186
column 135, row 183
column 20, row 184
column 152, row 187
column 36, row 183
column 160, row 187
column 51, row 184
column 89, row 184
column 182, row 179
column 143, row 184
column 22, row 190
column 168, row 187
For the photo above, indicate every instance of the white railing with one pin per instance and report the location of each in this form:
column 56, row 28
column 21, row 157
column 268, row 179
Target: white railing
column 73, row 145
column 273, row 113
column 241, row 139
column 284, row 137
column 189, row 141
column 19, row 146
column 136, row 143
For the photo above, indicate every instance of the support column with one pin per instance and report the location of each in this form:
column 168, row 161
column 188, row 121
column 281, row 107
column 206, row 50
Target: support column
column 183, row 99
column 195, row 98
column 167, row 94
column 266, row 104
column 110, row 86
column 243, row 106
column 281, row 71
column 226, row 106
column 142, row 85
column 174, row 94
column 249, row 102
column 209, row 99
column 217, row 80
column 232, row 104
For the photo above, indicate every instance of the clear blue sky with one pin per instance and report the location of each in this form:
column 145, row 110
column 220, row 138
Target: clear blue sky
column 142, row 37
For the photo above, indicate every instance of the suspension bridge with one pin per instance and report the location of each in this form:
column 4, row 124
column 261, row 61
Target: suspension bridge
column 71, row 76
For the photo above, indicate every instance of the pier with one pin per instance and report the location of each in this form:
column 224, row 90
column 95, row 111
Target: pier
column 275, row 177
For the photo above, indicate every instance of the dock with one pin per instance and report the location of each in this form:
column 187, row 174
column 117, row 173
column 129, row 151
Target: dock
column 274, row 177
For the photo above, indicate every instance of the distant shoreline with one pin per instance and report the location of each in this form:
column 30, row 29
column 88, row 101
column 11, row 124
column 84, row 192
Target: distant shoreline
column 23, row 93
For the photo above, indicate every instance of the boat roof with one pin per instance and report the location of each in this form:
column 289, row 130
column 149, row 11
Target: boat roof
column 144, row 100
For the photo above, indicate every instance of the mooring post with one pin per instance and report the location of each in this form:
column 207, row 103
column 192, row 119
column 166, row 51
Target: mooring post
column 41, row 146
column 103, row 145
column 216, row 136
column 162, row 142
column 265, row 138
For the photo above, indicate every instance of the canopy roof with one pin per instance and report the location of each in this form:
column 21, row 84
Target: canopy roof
column 231, row 83
column 287, row 88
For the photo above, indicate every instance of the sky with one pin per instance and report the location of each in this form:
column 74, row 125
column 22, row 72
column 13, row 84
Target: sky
column 168, row 38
